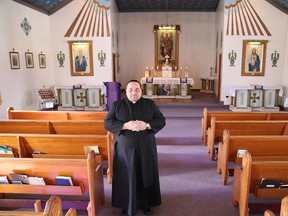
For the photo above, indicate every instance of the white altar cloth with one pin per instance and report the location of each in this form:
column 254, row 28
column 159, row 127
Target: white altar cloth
column 164, row 80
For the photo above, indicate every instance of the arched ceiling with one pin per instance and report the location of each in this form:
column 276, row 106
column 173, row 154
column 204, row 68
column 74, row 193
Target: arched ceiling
column 51, row 6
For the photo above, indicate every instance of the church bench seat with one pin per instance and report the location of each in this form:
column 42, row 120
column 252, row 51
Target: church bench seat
column 86, row 174
column 283, row 209
column 247, row 179
column 215, row 132
column 257, row 146
column 53, row 207
column 232, row 116
column 55, row 115
column 58, row 146
column 92, row 127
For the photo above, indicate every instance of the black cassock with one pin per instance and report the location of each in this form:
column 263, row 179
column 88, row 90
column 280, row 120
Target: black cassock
column 135, row 155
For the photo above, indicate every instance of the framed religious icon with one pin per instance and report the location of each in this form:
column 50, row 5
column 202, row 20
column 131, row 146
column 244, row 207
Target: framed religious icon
column 81, row 58
column 29, row 59
column 42, row 60
column 166, row 46
column 14, row 60
column 253, row 57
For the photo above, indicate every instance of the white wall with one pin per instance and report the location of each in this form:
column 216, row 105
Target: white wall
column 276, row 22
column 60, row 23
column 196, row 43
column 18, row 87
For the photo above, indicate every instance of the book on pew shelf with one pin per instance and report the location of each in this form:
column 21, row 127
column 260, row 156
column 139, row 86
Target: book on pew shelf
column 284, row 186
column 64, row 180
column 240, row 152
column 36, row 181
column 4, row 180
column 18, row 178
column 87, row 149
column 270, row 183
column 5, row 150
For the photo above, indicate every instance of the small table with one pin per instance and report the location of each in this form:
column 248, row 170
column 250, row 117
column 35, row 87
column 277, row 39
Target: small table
column 207, row 84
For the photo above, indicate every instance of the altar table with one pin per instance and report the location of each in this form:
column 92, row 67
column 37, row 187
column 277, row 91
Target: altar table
column 255, row 98
column 160, row 87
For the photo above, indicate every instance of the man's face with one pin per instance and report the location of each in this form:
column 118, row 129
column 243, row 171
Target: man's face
column 133, row 91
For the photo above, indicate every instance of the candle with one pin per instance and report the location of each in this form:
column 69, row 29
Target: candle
column 146, row 67
column 157, row 67
column 186, row 67
column 181, row 68
column 152, row 68
column 175, row 67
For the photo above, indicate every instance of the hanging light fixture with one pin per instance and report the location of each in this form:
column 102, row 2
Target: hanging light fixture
column 167, row 26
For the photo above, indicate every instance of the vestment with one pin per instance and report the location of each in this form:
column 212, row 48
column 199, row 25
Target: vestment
column 135, row 154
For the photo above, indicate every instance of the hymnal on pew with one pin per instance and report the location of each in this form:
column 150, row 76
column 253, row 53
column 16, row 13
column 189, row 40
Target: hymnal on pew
column 4, row 180
column 270, row 183
column 87, row 149
column 5, row 150
column 18, row 178
column 64, row 180
column 36, row 181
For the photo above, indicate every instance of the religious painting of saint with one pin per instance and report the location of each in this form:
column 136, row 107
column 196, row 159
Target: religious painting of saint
column 29, row 60
column 253, row 58
column 81, row 58
column 166, row 46
column 14, row 60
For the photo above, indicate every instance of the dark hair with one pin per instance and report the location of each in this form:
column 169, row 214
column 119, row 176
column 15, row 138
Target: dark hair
column 134, row 81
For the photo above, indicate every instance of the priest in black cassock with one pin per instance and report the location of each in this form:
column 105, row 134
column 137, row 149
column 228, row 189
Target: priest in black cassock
column 135, row 121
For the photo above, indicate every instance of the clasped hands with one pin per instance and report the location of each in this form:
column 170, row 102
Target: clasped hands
column 136, row 125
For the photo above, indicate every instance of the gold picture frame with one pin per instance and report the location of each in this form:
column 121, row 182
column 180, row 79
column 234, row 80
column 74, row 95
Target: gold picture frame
column 253, row 57
column 14, row 60
column 29, row 59
column 42, row 60
column 81, row 58
column 166, row 44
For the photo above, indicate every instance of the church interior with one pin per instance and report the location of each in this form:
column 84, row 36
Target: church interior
column 227, row 56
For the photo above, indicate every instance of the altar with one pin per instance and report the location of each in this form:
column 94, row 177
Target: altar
column 81, row 97
column 167, row 87
column 255, row 98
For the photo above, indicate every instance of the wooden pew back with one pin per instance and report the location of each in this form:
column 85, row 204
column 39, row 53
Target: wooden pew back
column 247, row 179
column 92, row 127
column 243, row 128
column 63, row 144
column 233, row 116
column 88, row 127
column 59, row 146
column 55, row 115
column 283, row 209
column 264, row 145
column 24, row 126
column 87, row 176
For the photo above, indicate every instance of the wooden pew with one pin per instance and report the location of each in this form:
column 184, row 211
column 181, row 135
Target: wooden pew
column 58, row 146
column 248, row 177
column 92, row 127
column 55, row 115
column 283, row 210
column 87, row 176
column 234, row 116
column 256, row 145
column 215, row 132
column 53, row 207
